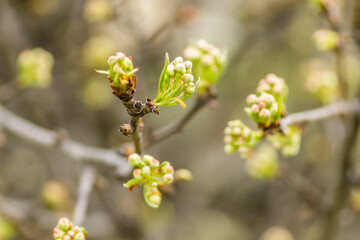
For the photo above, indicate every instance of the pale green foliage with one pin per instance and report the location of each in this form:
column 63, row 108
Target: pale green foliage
column 289, row 141
column 176, row 83
column 65, row 230
column 152, row 174
column 277, row 233
column 34, row 68
column 7, row 231
column 326, row 40
column 263, row 164
column 208, row 61
column 239, row 137
column 324, row 85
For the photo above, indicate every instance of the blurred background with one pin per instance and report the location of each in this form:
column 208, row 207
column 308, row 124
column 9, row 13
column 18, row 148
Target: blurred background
column 222, row 201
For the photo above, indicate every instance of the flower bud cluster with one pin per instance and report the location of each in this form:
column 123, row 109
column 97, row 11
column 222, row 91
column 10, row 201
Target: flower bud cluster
column 288, row 141
column 268, row 106
column 34, row 68
column 324, row 85
column 209, row 62
column 121, row 75
column 176, row 83
column 239, row 137
column 65, row 230
column 263, row 164
column 152, row 174
column 326, row 40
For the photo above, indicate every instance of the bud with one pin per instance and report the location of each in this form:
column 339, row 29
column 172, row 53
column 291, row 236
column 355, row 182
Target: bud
column 155, row 199
column 64, row 224
column 79, row 236
column 264, row 113
column 255, row 108
column 178, row 60
column 167, row 169
column 134, row 159
column 170, row 70
column 154, row 163
column 58, row 233
column 137, row 174
column 71, row 233
column 251, row 99
column 188, row 66
column 180, row 67
column 34, row 68
column 147, row 159
column 326, row 40
column 188, row 78
column 229, row 148
column 183, row 174
column 168, row 178
column 146, row 171
column 192, row 53
column 66, row 237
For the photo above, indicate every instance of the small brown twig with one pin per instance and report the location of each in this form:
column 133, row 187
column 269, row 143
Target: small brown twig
column 173, row 128
column 305, row 188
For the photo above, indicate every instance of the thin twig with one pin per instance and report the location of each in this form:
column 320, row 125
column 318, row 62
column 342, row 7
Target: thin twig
column 50, row 139
column 169, row 130
column 305, row 188
column 318, row 114
column 85, row 186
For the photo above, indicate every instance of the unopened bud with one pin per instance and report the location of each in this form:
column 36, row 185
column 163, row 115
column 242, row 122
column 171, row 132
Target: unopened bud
column 154, row 163
column 180, row 67
column 264, row 113
column 134, row 159
column 58, row 233
column 255, row 108
column 137, row 174
column 188, row 78
column 170, row 70
column 229, row 148
column 251, row 99
column 155, row 199
column 66, row 237
column 168, row 178
column 147, row 159
column 79, row 236
column 188, row 66
column 64, row 224
column 146, row 171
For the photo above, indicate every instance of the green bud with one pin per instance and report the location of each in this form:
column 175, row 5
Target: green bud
column 170, row 70
column 58, row 233
column 64, row 224
column 168, row 178
column 146, row 171
column 147, row 159
column 188, row 66
column 229, row 148
column 137, row 174
column 79, row 236
column 66, row 237
column 135, row 160
column 154, row 163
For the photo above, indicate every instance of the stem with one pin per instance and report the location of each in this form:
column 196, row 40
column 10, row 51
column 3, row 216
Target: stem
column 168, row 130
column 50, row 139
column 85, row 186
column 344, row 183
column 136, row 135
column 305, row 188
column 318, row 114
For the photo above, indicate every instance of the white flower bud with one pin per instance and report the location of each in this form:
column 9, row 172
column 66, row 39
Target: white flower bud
column 188, row 66
column 170, row 70
column 180, row 67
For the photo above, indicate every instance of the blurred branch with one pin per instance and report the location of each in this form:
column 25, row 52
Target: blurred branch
column 305, row 188
column 51, row 139
column 86, row 184
column 173, row 128
column 318, row 114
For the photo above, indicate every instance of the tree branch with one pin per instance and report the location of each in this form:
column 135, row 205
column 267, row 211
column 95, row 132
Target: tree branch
column 50, row 139
column 318, row 114
column 305, row 188
column 168, row 130
column 86, row 183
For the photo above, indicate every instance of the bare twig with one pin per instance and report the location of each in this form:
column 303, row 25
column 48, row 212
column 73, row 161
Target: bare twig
column 305, row 188
column 318, row 114
column 85, row 186
column 169, row 130
column 47, row 138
